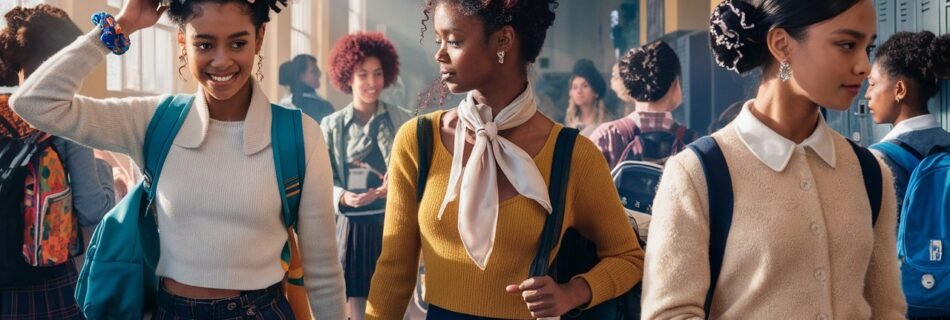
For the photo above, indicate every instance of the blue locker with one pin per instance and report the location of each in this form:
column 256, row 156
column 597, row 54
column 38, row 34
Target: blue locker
column 886, row 19
column 696, row 61
column 929, row 18
column 907, row 15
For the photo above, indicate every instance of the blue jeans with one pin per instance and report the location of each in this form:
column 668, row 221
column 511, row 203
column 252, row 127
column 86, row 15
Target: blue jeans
column 263, row 304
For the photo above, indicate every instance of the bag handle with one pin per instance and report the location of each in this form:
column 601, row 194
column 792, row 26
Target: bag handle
column 873, row 181
column 289, row 159
column 900, row 153
column 719, row 190
column 424, row 146
column 557, row 190
column 162, row 130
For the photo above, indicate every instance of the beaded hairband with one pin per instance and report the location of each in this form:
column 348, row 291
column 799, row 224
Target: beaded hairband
column 727, row 37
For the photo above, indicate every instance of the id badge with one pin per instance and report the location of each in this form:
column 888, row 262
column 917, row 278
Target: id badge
column 358, row 179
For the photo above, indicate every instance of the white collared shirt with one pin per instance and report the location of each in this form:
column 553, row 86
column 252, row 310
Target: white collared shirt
column 924, row 122
column 773, row 149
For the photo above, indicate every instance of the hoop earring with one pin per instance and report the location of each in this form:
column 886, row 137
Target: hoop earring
column 501, row 57
column 785, row 71
column 260, row 67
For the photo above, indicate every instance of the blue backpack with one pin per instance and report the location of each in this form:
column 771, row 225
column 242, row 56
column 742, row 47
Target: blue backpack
column 719, row 188
column 118, row 279
column 924, row 227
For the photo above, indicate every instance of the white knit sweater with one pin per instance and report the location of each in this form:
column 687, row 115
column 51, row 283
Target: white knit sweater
column 218, row 206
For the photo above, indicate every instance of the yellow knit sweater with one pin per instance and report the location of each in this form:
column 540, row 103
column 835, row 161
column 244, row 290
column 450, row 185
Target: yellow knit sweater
column 453, row 282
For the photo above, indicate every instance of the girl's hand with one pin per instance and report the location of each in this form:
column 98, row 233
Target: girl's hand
column 139, row 14
column 546, row 298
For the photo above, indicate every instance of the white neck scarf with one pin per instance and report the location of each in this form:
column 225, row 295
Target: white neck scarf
column 475, row 183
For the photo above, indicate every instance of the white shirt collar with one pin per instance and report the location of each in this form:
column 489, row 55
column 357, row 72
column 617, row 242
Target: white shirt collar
column 924, row 122
column 773, row 149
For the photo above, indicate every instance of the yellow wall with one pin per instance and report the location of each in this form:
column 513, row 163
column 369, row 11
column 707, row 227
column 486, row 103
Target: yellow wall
column 679, row 15
column 685, row 15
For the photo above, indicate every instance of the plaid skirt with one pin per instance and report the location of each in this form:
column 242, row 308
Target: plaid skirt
column 52, row 299
column 263, row 304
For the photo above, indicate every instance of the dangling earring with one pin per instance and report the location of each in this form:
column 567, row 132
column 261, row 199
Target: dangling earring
column 182, row 61
column 260, row 67
column 501, row 57
column 785, row 71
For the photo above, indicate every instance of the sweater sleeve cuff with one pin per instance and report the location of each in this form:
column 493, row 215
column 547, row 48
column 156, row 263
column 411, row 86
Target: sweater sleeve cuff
column 91, row 40
column 601, row 289
column 337, row 196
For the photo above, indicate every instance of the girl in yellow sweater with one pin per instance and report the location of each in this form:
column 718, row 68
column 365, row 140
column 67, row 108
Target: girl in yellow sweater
column 479, row 220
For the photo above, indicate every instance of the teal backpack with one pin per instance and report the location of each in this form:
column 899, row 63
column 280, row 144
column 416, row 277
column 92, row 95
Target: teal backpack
column 118, row 279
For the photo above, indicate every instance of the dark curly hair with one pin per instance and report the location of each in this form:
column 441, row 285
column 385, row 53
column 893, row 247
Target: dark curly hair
column 530, row 19
column 180, row 11
column 738, row 28
column 648, row 72
column 922, row 57
column 290, row 71
column 31, row 36
column 352, row 49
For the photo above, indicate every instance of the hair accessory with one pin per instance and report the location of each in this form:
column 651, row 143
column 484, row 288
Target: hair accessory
column 112, row 36
column 727, row 37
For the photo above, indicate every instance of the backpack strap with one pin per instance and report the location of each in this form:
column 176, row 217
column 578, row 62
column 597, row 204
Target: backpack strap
column 162, row 130
column 424, row 145
column 161, row 133
column 900, row 153
column 719, row 186
column 557, row 190
column 871, row 171
column 289, row 159
column 680, row 137
column 290, row 163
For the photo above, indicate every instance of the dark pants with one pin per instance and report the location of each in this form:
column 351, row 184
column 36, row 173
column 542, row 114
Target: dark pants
column 436, row 313
column 50, row 299
column 264, row 304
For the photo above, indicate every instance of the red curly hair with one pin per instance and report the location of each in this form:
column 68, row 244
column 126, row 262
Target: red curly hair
column 351, row 50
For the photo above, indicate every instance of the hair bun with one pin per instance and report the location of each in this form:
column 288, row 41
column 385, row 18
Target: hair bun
column 735, row 35
column 648, row 72
column 940, row 51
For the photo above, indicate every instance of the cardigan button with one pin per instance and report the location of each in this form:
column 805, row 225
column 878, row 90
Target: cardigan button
column 805, row 185
column 820, row 275
column 815, row 228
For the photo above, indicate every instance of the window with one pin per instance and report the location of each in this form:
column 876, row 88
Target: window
column 7, row 5
column 150, row 64
column 357, row 15
column 300, row 29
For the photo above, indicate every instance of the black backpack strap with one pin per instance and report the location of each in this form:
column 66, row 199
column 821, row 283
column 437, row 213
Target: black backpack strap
column 557, row 191
column 871, row 171
column 424, row 144
column 719, row 186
